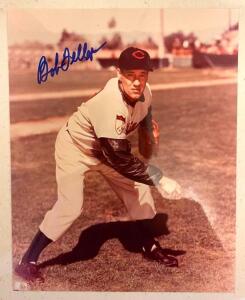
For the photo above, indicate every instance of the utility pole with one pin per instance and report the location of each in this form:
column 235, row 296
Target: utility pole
column 161, row 39
column 229, row 18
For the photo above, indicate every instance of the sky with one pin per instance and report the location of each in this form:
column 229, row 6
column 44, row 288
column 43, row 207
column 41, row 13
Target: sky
column 46, row 25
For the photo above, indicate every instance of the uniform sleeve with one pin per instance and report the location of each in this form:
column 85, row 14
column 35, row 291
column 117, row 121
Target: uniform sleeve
column 118, row 155
column 147, row 121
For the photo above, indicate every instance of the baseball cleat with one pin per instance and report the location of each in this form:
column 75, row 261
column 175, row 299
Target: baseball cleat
column 158, row 255
column 29, row 272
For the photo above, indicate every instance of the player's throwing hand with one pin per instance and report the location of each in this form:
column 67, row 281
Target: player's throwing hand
column 169, row 188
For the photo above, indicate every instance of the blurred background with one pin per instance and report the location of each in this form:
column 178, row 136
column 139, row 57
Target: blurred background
column 173, row 37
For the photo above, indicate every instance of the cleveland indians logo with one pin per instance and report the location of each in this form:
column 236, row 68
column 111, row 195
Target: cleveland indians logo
column 120, row 125
column 131, row 127
column 138, row 54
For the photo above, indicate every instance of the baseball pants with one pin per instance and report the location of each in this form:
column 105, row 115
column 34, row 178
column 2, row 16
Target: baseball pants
column 71, row 167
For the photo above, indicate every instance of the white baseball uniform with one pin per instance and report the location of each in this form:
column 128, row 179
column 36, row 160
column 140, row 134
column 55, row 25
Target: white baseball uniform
column 77, row 151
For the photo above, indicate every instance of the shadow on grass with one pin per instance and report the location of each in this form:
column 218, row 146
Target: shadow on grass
column 131, row 234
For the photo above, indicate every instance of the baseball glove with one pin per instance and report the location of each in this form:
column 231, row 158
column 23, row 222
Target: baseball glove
column 148, row 140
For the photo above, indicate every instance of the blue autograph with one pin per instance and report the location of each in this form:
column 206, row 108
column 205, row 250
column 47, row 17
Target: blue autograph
column 82, row 54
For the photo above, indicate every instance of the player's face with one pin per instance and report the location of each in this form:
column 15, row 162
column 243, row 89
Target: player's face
column 133, row 82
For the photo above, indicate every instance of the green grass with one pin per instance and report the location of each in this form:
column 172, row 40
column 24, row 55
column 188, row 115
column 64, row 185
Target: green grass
column 204, row 267
column 198, row 139
column 21, row 83
column 42, row 109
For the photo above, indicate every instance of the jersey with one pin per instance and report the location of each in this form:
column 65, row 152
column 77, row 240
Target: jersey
column 106, row 115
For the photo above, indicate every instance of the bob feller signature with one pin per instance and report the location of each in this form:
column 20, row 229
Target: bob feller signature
column 82, row 54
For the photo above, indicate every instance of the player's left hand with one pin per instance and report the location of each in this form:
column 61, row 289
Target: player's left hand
column 169, row 188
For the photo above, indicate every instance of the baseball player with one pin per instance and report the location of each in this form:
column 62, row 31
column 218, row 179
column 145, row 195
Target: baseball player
column 95, row 138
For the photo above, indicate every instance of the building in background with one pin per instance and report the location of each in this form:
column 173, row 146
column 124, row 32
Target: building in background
column 181, row 50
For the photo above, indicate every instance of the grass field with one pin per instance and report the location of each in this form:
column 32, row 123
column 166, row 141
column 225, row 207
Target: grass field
column 22, row 83
column 198, row 133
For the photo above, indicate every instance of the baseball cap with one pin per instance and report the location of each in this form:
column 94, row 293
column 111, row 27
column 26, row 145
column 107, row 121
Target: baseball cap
column 134, row 58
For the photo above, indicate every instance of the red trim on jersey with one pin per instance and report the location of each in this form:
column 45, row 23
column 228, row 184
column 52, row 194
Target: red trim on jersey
column 121, row 118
